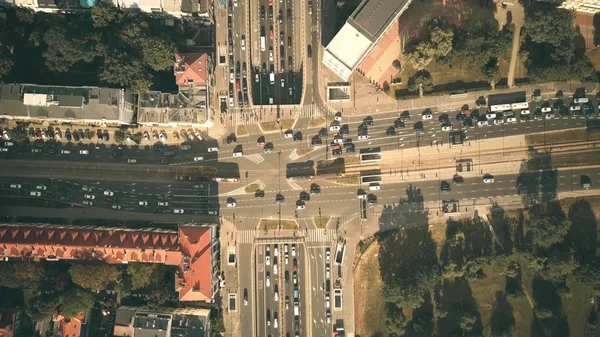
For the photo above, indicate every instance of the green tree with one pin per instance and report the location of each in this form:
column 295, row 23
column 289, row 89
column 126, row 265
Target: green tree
column 420, row 81
column 140, row 274
column 29, row 272
column 74, row 301
column 18, row 134
column 6, row 65
column 137, row 137
column 467, row 322
column 436, row 45
column 105, row 14
column 123, row 70
column 552, row 27
column 67, row 46
column 119, row 136
column 93, row 277
column 41, row 307
column 559, row 265
column 588, row 273
column 158, row 54
column 491, row 71
column 395, row 321
column 547, row 231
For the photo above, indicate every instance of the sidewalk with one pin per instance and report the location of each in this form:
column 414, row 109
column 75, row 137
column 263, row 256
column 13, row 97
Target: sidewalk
column 231, row 319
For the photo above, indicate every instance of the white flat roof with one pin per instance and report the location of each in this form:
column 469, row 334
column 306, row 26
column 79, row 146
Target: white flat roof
column 349, row 46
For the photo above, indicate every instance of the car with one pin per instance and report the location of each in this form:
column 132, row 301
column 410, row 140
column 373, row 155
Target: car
column 300, row 206
column 457, row 179
column 327, row 255
column 268, row 277
column 525, row 112
column 275, row 323
column 288, row 134
column 575, row 107
column 315, row 189
column 327, row 301
column 178, row 211
column 35, row 193
column 231, row 204
column 213, row 149
column 550, row 115
column 275, row 251
column 282, row 82
column 3, row 149
column 427, row 115
column 116, row 207
column 338, row 116
column 327, row 272
column 524, row 118
column 490, row 115
column 86, row 189
column 546, row 109
column 41, row 187
column 271, row 54
column 88, row 203
column 335, row 127
column 328, row 316
column 488, row 179
column 399, row 124
column 444, row 186
column 89, row 196
column 374, row 187
column 512, row 119
column 270, row 29
column 499, row 121
column 162, row 137
column 363, row 137
column 109, row 193
column 15, row 186
column 293, row 249
column 447, row 128
column 163, row 203
column 36, row 150
column 143, row 203
column 198, row 158
column 84, row 152
column 482, row 123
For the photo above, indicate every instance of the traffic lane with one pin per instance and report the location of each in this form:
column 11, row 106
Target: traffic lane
column 318, row 280
column 261, row 290
column 304, row 291
column 288, row 292
column 271, row 304
column 246, row 285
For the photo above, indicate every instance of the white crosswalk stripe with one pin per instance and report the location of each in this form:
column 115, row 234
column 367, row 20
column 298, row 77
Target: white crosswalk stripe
column 256, row 158
column 294, row 186
column 246, row 236
column 320, row 235
column 294, row 155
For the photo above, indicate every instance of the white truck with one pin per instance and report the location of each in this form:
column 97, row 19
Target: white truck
column 263, row 43
column 272, row 77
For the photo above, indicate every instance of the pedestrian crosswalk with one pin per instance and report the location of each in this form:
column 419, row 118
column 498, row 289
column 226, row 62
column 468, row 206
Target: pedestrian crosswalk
column 310, row 235
column 309, row 111
column 256, row 158
column 294, row 186
column 241, row 117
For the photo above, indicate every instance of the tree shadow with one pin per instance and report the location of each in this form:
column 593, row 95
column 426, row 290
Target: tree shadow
column 409, row 212
column 583, row 232
column 596, row 29
column 548, row 308
column 538, row 180
column 503, row 227
column 457, row 310
column 502, row 322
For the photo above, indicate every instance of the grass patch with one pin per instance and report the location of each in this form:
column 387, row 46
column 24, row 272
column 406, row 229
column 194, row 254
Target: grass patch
column 438, row 234
column 268, row 224
column 321, row 222
column 251, row 188
column 344, row 180
column 351, row 160
column 577, row 306
column 269, row 126
column 241, row 130
column 368, row 299
column 316, row 122
column 286, row 124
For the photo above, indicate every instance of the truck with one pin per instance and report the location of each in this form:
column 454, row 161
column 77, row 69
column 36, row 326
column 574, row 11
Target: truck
column 263, row 43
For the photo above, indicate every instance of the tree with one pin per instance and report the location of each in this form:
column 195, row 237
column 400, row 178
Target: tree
column 421, row 81
column 119, row 136
column 140, row 274
column 104, row 14
column 94, row 277
column 67, row 46
column 126, row 71
column 29, row 272
column 552, row 27
column 467, row 322
column 6, row 65
column 75, row 301
column 137, row 137
column 588, row 273
column 41, row 307
column 18, row 134
column 395, row 321
column 158, row 54
column 491, row 71
column 559, row 265
column 548, row 230
column 436, row 45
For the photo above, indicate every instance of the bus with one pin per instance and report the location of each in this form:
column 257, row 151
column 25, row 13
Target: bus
column 500, row 107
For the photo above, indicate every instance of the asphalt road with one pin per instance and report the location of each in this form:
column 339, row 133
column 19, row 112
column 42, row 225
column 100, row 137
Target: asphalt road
column 319, row 279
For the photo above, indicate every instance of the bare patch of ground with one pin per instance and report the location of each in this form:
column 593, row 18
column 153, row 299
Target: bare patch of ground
column 316, row 122
column 321, row 222
column 368, row 299
column 268, row 224
column 252, row 188
column 241, row 130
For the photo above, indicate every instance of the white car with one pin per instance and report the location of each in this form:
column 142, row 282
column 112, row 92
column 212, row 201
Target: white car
column 374, row 187
column 3, row 149
column 546, row 109
column 491, row 115
column 231, row 77
column 288, row 134
column 361, row 196
column 213, row 149
column 271, row 54
column 338, row 117
column 334, row 128
column 35, row 194
column 285, row 248
column 143, row 203
column 549, row 116
column 575, row 107
column 116, row 206
column 41, row 187
column 86, row 189
column 328, row 315
column 511, row 119
column 301, row 206
column 363, row 137
column 198, row 158
column 446, row 128
column 88, row 203
column 275, row 323
column 275, row 268
column 275, row 251
column 488, row 180
column 327, row 255
column 109, row 193
column 498, row 121
column 129, row 139
column 293, row 250
column 243, row 43
column 84, row 152
column 15, row 185
column 327, row 302
column 90, row 196
column 146, row 137
column 178, row 211
column 268, row 279
column 163, row 203
column 5, row 135
column 162, row 137
column 276, row 298
column 338, row 140
column 231, row 104
column 427, row 116
column 525, row 112
column 327, row 272
column 482, row 123
column 231, row 204
column 238, row 154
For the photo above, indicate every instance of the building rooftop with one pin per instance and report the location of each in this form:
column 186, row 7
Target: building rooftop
column 191, row 69
column 373, row 17
column 348, row 46
column 60, row 102
column 159, row 322
column 189, row 106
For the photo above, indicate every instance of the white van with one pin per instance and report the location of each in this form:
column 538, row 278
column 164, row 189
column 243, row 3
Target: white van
column 132, row 161
column 263, row 43
column 374, row 187
column 581, row 100
column 272, row 78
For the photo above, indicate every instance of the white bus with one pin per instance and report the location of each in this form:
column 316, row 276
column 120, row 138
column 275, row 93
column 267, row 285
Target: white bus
column 522, row 105
column 500, row 107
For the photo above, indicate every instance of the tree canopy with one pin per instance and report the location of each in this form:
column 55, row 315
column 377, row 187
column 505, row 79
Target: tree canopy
column 74, row 301
column 140, row 274
column 547, row 231
column 93, row 277
column 436, row 45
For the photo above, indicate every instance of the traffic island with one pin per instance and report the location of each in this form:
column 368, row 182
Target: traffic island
column 316, row 122
column 252, row 188
column 271, row 224
column 321, row 222
column 241, row 131
column 269, row 126
column 344, row 180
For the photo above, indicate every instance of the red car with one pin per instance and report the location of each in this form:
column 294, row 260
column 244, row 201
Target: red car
column 237, row 85
column 271, row 33
column 270, row 2
column 260, row 143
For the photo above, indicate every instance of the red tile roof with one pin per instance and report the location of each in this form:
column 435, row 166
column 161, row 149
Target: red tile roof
column 191, row 69
column 7, row 323
column 189, row 248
